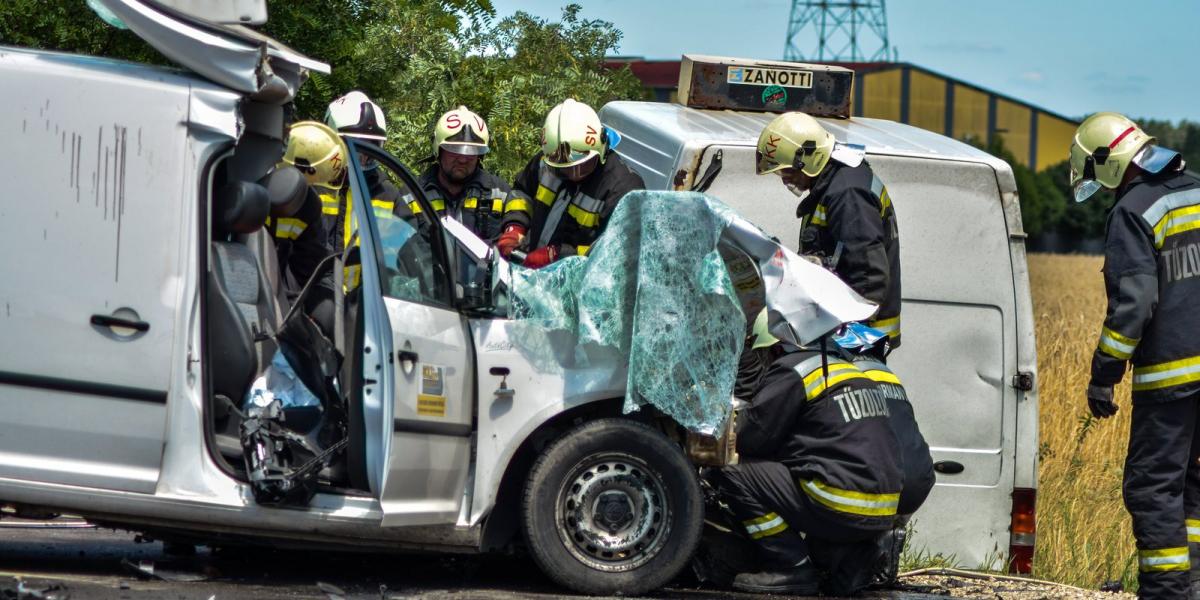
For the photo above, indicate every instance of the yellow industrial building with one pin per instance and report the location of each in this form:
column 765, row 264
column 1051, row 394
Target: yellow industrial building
column 918, row 96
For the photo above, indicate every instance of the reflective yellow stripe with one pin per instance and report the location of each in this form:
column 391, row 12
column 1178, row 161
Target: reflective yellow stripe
column 582, row 250
column 847, row 501
column 815, row 382
column 517, row 205
column 583, row 217
column 437, row 203
column 885, row 200
column 1176, row 221
column 471, row 203
column 329, row 204
column 289, row 228
column 497, row 205
column 890, row 327
column 1116, row 345
column 1165, row 559
column 764, row 526
column 1193, row 531
column 818, row 217
column 1168, row 374
column 882, row 376
column 545, row 195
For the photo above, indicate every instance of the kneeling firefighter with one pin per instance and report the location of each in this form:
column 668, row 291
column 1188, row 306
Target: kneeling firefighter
column 831, row 462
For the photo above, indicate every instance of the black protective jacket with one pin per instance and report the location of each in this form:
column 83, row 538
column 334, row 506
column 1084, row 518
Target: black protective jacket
column 301, row 242
column 828, row 422
column 849, row 222
column 335, row 206
column 1152, row 279
column 585, row 206
column 917, row 463
column 480, row 206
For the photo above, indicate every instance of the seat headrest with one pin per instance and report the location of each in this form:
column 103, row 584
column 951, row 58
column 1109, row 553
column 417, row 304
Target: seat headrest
column 241, row 207
column 286, row 189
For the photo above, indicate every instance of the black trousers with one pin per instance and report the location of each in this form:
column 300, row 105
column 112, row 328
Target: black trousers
column 772, row 512
column 1162, row 494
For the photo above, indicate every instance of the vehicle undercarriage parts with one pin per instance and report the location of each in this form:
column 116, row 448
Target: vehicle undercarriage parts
column 604, row 521
column 668, row 286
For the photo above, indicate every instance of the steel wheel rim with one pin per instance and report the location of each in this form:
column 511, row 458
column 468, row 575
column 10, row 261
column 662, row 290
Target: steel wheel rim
column 612, row 512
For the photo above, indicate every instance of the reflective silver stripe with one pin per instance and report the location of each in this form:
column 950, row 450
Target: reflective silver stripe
column 1161, row 375
column 409, row 198
column 1119, row 349
column 547, row 178
column 296, row 229
column 1168, row 203
column 808, row 365
column 587, row 203
column 870, row 365
column 1193, row 534
column 497, row 193
column 776, row 522
column 848, row 501
column 876, row 185
column 1160, row 233
column 1172, row 559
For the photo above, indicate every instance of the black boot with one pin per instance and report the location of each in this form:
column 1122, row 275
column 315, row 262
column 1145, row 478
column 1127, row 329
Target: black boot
column 801, row 579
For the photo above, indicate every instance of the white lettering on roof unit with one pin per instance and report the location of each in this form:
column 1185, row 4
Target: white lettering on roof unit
column 781, row 77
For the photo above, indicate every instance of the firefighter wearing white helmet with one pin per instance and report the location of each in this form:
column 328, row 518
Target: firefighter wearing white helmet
column 561, row 202
column 356, row 117
column 847, row 218
column 1152, row 279
column 455, row 182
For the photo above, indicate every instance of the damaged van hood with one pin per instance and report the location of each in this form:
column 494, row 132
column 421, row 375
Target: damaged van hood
column 671, row 285
column 232, row 56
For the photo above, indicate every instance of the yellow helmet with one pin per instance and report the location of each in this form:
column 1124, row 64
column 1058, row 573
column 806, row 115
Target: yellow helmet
column 462, row 132
column 572, row 135
column 318, row 152
column 1101, row 151
column 793, row 140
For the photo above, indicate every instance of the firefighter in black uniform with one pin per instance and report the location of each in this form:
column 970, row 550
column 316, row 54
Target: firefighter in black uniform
column 1152, row 278
column 847, row 218
column 561, row 202
column 456, row 183
column 823, row 452
column 300, row 242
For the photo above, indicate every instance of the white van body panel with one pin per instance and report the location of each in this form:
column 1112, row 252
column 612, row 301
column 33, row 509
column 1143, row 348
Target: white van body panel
column 967, row 318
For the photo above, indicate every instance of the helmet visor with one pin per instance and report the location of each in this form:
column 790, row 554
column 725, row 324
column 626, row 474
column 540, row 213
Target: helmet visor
column 566, row 156
column 1153, row 159
column 465, row 149
column 1086, row 188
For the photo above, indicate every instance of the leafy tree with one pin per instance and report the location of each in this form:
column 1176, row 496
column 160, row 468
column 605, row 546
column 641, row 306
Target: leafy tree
column 416, row 58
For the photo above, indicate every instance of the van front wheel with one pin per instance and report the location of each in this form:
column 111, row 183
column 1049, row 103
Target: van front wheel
column 612, row 507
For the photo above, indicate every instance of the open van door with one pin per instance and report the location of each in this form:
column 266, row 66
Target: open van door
column 418, row 360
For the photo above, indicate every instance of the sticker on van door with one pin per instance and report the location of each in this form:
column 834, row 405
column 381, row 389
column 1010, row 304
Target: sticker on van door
column 431, row 401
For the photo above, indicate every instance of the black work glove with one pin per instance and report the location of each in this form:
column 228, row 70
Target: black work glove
column 1100, row 401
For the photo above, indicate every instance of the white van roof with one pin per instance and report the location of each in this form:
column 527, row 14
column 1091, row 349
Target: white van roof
column 644, row 121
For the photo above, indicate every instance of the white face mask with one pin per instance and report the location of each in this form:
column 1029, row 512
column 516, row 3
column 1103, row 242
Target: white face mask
column 795, row 190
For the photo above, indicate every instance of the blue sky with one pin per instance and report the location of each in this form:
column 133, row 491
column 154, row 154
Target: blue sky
column 1068, row 56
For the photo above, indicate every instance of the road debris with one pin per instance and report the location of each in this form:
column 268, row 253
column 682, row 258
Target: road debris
column 966, row 584
column 21, row 591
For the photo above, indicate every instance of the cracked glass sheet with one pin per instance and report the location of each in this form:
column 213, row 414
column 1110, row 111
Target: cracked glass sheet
column 669, row 286
column 655, row 289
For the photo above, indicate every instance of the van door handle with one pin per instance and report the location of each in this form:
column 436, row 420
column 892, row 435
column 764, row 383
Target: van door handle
column 111, row 321
column 408, row 355
column 948, row 467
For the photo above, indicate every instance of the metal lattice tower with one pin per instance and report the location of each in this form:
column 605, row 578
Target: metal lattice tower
column 847, row 30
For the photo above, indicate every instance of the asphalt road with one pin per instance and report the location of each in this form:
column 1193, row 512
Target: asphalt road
column 97, row 563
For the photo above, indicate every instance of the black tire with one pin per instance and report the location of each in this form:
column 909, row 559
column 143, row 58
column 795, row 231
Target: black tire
column 644, row 509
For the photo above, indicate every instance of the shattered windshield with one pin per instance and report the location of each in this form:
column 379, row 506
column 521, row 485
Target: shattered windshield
column 657, row 289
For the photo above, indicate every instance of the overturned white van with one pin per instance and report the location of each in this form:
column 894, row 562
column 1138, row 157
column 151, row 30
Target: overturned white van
column 968, row 358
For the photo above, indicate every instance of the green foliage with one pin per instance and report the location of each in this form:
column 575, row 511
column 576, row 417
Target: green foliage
column 416, row 58
column 1043, row 201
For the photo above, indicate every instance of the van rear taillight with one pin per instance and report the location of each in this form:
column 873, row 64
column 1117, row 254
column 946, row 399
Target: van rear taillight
column 1023, row 530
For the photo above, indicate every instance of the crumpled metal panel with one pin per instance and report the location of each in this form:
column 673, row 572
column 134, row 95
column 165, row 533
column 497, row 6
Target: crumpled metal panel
column 656, row 288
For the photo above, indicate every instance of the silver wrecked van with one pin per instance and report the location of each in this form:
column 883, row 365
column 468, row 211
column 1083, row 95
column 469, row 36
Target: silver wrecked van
column 141, row 308
column 968, row 357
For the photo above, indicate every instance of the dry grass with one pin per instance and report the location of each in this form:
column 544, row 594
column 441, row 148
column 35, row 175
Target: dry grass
column 1083, row 533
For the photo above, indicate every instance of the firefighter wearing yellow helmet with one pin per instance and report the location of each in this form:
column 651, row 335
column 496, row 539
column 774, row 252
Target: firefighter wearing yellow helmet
column 1152, row 279
column 455, row 182
column 561, row 202
column 847, row 218
column 318, row 153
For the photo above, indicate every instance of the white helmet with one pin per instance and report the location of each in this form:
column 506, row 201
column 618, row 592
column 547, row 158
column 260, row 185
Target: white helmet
column 572, row 135
column 354, row 115
column 462, row 132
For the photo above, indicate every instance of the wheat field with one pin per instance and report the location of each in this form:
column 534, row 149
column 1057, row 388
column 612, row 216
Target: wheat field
column 1083, row 535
